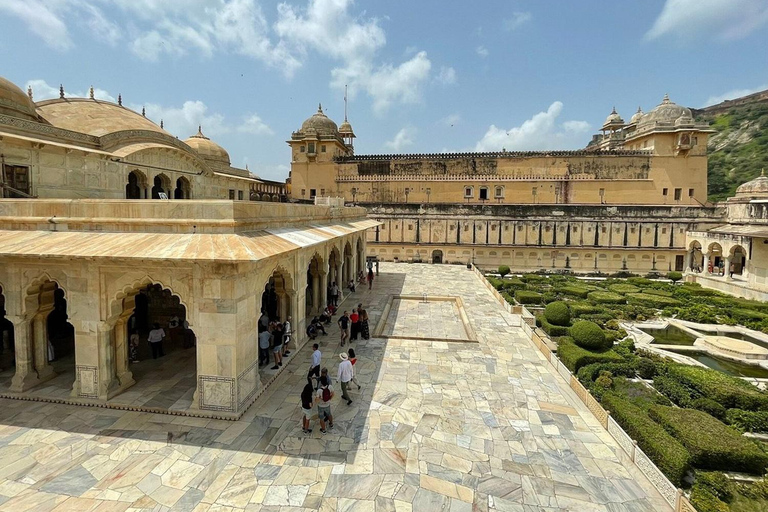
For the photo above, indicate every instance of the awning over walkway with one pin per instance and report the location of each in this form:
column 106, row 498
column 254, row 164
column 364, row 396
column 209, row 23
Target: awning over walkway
column 741, row 230
column 224, row 247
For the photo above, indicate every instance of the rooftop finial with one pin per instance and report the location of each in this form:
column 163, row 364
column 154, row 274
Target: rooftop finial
column 639, row 110
column 29, row 91
column 120, row 99
column 61, row 91
column 161, row 124
column 614, row 110
column 666, row 99
column 320, row 108
column 199, row 129
column 143, row 112
column 90, row 92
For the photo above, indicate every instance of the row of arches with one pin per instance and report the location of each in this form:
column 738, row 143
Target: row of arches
column 138, row 188
column 715, row 260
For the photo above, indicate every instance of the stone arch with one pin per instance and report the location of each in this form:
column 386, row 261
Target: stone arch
column 335, row 263
column 183, row 188
column 161, row 184
column 315, row 295
column 437, row 256
column 275, row 198
column 136, row 188
column 281, row 283
column 115, row 306
column 7, row 341
column 738, row 260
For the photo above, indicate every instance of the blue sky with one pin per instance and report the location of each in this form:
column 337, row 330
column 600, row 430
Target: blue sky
column 423, row 76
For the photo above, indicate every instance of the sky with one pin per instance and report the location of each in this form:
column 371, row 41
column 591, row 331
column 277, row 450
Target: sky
column 426, row 76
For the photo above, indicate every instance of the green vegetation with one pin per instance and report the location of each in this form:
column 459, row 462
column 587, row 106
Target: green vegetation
column 607, row 298
column 739, row 149
column 557, row 313
column 711, row 443
column 503, row 271
column 588, row 335
column 575, row 357
column 527, row 297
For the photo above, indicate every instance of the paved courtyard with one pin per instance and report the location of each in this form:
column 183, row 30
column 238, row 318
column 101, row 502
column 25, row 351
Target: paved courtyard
column 424, row 318
column 437, row 426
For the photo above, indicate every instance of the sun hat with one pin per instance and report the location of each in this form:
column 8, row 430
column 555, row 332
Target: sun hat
column 343, row 356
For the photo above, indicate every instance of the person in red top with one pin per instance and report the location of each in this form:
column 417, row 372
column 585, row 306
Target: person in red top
column 355, row 319
column 353, row 360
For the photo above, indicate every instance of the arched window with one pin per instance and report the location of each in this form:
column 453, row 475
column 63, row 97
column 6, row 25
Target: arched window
column 137, row 185
column 183, row 189
column 161, row 185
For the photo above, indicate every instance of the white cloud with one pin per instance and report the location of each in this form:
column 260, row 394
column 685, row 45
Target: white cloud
column 103, row 29
column 733, row 94
column 183, row 121
column 447, row 76
column 402, row 139
column 389, row 84
column 450, row 120
column 517, row 20
column 539, row 132
column 482, row 51
column 41, row 90
column 253, row 124
column 42, row 19
column 724, row 19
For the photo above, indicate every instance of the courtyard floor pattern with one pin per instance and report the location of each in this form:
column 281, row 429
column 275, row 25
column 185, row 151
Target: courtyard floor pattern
column 449, row 426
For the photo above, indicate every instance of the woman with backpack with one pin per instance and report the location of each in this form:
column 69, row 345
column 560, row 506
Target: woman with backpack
column 324, row 396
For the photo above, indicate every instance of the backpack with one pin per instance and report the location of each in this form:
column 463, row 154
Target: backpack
column 326, row 394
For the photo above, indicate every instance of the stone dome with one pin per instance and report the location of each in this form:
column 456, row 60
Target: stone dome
column 345, row 127
column 206, row 148
column 636, row 116
column 613, row 118
column 756, row 187
column 667, row 113
column 320, row 124
column 94, row 117
column 15, row 102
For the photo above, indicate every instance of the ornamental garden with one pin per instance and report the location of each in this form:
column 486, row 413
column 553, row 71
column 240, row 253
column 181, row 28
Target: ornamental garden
column 702, row 423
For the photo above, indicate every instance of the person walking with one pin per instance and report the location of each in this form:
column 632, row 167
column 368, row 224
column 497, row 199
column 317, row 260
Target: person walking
column 286, row 336
column 277, row 345
column 324, row 396
column 307, row 400
column 370, row 278
column 353, row 360
column 354, row 319
column 155, row 340
column 345, row 375
column 314, row 366
column 334, row 294
column 344, row 328
column 264, row 340
column 365, row 331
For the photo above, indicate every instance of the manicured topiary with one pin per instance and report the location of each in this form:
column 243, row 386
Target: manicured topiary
column 557, row 313
column 675, row 276
column 551, row 329
column 646, row 368
column 607, row 298
column 527, row 297
column 503, row 270
column 575, row 357
column 623, row 288
column 588, row 335
column 709, row 406
column 652, row 301
column 730, row 392
column 574, row 291
column 747, row 421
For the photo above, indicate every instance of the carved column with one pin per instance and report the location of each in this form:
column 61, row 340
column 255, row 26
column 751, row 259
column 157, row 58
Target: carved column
column 323, row 293
column 40, row 336
column 316, row 299
column 727, row 269
column 122, row 370
column 705, row 268
column 26, row 376
column 688, row 260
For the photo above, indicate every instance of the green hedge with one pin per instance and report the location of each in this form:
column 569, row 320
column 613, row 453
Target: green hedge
column 711, row 443
column 588, row 373
column 503, row 270
column 623, row 288
column 574, row 357
column 533, row 278
column 588, row 335
column 652, row 301
column 575, row 291
column 674, row 390
column 557, row 313
column 730, row 392
column 527, row 297
column 512, row 284
column 660, row 293
column 667, row 453
column 710, row 407
column 495, row 282
column 584, row 308
column 607, row 298
column 705, row 500
column 748, row 421
column 674, row 276
column 551, row 329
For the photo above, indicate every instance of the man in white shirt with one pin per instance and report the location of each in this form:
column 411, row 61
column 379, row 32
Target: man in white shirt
column 265, row 338
column 334, row 294
column 346, row 372
column 314, row 367
column 286, row 335
column 155, row 339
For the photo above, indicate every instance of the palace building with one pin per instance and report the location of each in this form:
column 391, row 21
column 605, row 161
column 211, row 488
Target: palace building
column 625, row 202
column 109, row 225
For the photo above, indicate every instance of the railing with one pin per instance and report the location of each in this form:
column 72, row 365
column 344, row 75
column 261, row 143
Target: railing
column 467, row 177
column 329, row 201
column 667, row 489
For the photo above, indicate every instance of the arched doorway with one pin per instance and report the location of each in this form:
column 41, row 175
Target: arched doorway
column 738, row 257
column 276, row 298
column 316, row 286
column 165, row 376
column 695, row 257
column 137, row 185
column 437, row 256
column 714, row 259
column 183, row 189
column 7, row 345
column 161, row 185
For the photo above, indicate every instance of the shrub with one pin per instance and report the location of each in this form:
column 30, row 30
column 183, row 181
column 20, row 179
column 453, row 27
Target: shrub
column 575, row 357
column 495, row 282
column 652, row 301
column 557, row 313
column 533, row 278
column 607, row 298
column 503, row 270
column 513, row 284
column 575, row 291
column 660, row 293
column 588, row 373
column 675, row 276
column 623, row 288
column 668, row 454
column 716, row 482
column 507, row 297
column 548, row 297
column 527, row 297
column 646, row 368
column 605, row 380
column 584, row 308
column 748, row 421
column 625, row 348
column 711, row 443
column 705, row 500
column 551, row 329
column 613, row 336
column 709, row 406
column 588, row 335
column 700, row 313
column 640, row 281
column 674, row 390
column 730, row 392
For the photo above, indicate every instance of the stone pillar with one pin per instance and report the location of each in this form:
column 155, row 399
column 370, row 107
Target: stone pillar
column 316, row 297
column 40, row 336
column 323, row 293
column 705, row 267
column 26, row 376
column 122, row 371
column 340, row 279
column 727, row 269
column 688, row 260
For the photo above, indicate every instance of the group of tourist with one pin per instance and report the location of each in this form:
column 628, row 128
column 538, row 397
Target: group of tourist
column 354, row 325
column 321, row 392
column 274, row 336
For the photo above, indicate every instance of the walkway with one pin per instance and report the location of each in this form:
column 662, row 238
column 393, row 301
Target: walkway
column 453, row 426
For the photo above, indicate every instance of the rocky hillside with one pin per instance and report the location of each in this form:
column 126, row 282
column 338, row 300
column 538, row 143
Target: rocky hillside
column 739, row 149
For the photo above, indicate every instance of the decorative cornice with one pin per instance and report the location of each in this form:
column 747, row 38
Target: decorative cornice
column 47, row 130
column 495, row 154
